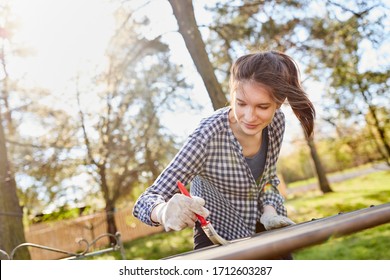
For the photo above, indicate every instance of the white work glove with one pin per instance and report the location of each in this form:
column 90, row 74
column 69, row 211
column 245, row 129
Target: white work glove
column 271, row 220
column 179, row 212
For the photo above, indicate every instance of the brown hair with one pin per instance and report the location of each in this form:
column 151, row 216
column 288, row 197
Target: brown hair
column 280, row 73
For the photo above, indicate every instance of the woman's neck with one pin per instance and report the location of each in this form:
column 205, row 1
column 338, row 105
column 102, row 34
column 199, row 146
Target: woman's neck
column 250, row 143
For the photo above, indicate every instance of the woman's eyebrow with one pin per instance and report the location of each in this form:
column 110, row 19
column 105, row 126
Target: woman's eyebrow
column 262, row 103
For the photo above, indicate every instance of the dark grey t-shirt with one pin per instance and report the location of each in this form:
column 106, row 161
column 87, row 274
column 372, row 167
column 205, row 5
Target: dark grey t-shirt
column 257, row 162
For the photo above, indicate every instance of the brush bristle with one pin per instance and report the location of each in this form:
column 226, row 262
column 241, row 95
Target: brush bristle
column 213, row 235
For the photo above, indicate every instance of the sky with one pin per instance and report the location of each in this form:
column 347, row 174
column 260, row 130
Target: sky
column 65, row 36
column 70, row 37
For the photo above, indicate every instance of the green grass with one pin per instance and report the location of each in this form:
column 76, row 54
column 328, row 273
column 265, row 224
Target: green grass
column 160, row 245
column 370, row 244
column 301, row 183
column 353, row 194
column 156, row 246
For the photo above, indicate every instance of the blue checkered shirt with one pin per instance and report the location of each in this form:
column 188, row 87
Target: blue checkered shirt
column 213, row 162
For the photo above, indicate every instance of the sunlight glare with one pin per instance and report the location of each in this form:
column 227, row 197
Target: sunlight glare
column 66, row 37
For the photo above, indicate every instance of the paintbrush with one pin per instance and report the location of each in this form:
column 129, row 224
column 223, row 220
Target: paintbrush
column 206, row 225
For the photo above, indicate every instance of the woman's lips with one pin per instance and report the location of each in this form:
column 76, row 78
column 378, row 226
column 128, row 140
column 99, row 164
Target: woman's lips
column 250, row 126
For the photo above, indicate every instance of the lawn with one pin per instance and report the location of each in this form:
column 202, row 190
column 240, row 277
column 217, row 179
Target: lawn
column 353, row 194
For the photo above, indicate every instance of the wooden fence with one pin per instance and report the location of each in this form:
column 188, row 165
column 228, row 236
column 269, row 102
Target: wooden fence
column 65, row 234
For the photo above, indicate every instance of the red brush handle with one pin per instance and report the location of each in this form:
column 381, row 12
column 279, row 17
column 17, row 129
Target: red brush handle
column 184, row 191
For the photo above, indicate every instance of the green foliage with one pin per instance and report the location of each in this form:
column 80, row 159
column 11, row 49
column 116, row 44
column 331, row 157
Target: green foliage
column 297, row 165
column 353, row 89
column 62, row 213
column 355, row 147
column 244, row 26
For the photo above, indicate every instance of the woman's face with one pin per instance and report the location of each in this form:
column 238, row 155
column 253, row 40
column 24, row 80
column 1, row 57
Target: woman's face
column 253, row 108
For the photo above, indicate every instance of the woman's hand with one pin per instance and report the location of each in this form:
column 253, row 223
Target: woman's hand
column 179, row 212
column 271, row 220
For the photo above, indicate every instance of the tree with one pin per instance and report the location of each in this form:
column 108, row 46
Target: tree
column 11, row 215
column 378, row 125
column 125, row 139
column 184, row 13
column 320, row 171
column 353, row 90
column 49, row 161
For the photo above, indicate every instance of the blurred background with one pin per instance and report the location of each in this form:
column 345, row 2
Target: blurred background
column 96, row 97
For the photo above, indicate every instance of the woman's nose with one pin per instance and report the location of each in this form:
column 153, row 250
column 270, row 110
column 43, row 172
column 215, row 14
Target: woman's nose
column 250, row 114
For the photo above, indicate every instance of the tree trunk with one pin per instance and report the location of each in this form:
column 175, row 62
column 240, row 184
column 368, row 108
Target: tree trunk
column 382, row 135
column 321, row 175
column 110, row 207
column 184, row 13
column 11, row 215
column 367, row 97
column 111, row 225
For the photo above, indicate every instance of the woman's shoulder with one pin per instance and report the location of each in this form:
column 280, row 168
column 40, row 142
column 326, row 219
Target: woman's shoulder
column 213, row 124
column 218, row 116
column 278, row 122
column 277, row 126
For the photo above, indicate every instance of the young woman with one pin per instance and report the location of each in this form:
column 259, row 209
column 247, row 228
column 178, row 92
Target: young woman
column 230, row 159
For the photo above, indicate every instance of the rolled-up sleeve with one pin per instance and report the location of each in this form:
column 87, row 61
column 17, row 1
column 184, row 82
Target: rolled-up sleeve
column 271, row 196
